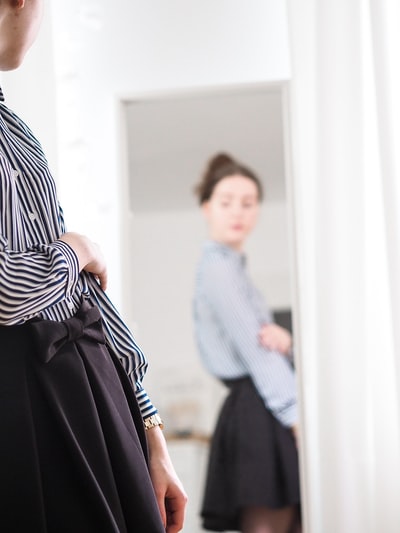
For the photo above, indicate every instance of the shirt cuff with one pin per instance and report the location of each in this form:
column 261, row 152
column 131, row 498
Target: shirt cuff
column 289, row 416
column 73, row 263
column 145, row 405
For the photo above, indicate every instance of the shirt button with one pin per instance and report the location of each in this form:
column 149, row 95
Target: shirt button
column 70, row 305
column 32, row 216
column 15, row 174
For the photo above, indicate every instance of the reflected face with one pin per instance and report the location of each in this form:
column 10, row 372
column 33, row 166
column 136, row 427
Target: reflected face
column 232, row 210
column 19, row 24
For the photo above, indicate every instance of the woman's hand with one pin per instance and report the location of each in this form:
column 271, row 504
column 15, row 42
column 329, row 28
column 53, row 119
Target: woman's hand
column 275, row 337
column 89, row 256
column 170, row 494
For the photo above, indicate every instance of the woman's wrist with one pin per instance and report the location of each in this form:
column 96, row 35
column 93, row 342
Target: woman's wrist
column 153, row 421
column 81, row 246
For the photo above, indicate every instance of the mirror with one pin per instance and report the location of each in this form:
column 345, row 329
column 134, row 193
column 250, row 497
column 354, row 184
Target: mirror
column 169, row 138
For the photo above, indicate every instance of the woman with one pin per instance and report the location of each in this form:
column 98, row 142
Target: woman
column 81, row 444
column 252, row 482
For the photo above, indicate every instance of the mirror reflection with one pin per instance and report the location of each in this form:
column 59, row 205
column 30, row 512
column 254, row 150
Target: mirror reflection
column 170, row 136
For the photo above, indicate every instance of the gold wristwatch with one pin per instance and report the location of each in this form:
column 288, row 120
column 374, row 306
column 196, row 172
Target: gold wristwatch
column 153, row 421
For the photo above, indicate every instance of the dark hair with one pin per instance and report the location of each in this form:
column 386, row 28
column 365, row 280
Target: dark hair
column 219, row 167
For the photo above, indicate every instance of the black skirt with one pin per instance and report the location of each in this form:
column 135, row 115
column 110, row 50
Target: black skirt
column 253, row 461
column 72, row 445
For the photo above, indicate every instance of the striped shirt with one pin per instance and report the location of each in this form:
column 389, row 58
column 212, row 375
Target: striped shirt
column 228, row 315
column 39, row 274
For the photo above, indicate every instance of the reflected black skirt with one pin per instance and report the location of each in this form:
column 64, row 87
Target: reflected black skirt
column 72, row 444
column 253, row 461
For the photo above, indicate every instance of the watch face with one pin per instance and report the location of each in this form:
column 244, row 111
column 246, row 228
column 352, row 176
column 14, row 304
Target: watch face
column 152, row 421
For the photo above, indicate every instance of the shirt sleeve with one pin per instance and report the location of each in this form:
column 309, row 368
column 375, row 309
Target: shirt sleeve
column 35, row 279
column 272, row 374
column 124, row 346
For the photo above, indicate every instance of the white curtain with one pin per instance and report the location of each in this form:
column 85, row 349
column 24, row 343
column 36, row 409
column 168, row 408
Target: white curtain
column 344, row 117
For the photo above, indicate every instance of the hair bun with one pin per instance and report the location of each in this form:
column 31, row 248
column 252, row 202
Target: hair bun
column 219, row 161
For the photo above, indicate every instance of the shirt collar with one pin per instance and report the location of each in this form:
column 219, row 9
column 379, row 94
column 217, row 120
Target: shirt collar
column 226, row 250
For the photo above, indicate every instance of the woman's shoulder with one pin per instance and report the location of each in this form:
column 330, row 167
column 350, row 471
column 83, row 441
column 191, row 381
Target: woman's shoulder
column 218, row 251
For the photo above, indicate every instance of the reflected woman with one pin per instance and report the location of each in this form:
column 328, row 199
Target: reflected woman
column 252, row 480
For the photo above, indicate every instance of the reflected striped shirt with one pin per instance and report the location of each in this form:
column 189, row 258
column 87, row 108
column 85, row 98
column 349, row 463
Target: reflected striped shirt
column 39, row 274
column 228, row 315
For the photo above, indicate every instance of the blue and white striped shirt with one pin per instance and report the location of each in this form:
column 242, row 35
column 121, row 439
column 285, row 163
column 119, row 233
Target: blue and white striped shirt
column 228, row 315
column 39, row 274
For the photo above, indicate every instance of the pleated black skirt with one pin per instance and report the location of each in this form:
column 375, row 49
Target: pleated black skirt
column 253, row 461
column 72, row 445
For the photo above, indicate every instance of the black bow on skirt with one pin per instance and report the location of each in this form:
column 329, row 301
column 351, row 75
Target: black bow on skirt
column 51, row 338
